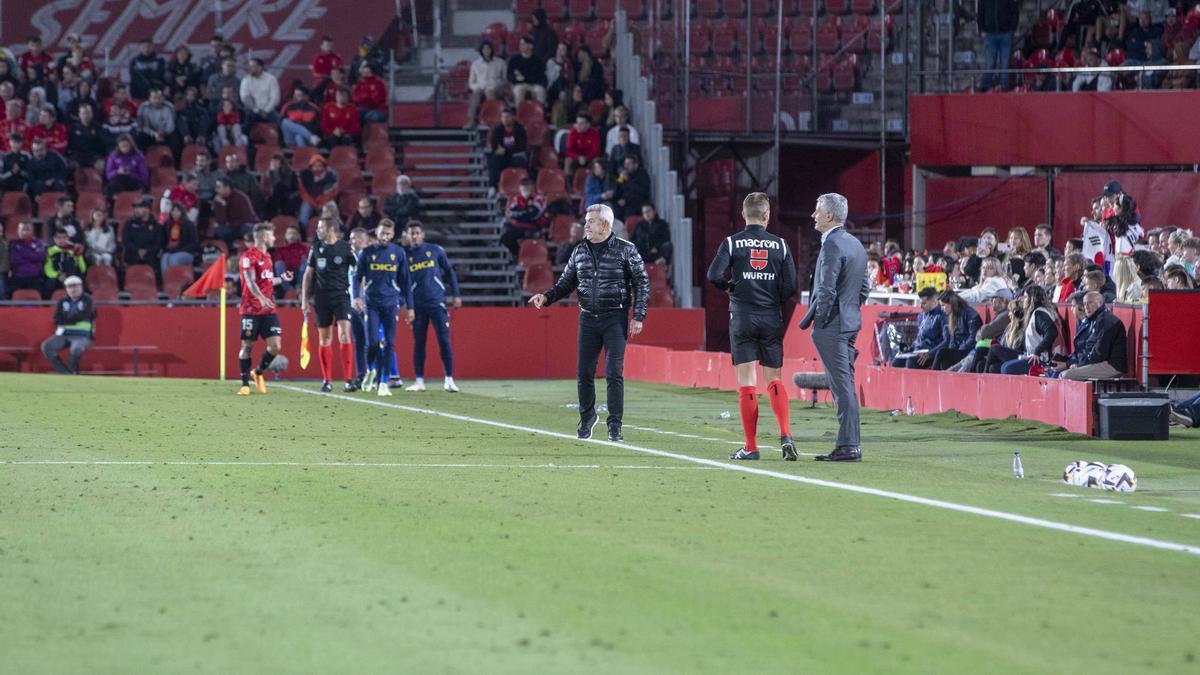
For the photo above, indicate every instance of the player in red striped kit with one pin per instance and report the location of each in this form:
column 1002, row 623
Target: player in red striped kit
column 258, row 319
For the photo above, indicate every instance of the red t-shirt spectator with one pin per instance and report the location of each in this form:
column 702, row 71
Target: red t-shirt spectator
column 127, row 104
column 370, row 93
column 583, row 146
column 54, row 135
column 291, row 255
column 182, row 196
column 324, row 63
column 334, row 116
column 226, row 119
column 16, row 126
column 30, row 59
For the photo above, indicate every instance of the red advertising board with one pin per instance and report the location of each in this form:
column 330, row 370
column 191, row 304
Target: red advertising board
column 1174, row 325
column 285, row 33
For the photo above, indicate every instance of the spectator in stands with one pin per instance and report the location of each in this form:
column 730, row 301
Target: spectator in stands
column 63, row 259
column 216, row 84
column 1102, row 355
column 180, row 241
column 1096, row 280
column 147, row 71
column 958, row 338
column 211, row 63
column 1074, row 266
column 156, row 122
column 184, row 194
column 284, row 198
column 365, row 216
column 126, row 168
column 4, row 265
column 560, row 73
column 997, row 20
column 27, row 260
column 583, row 145
column 1018, row 246
column 1043, row 235
column 590, row 74
column 35, row 58
column 1038, row 335
column 367, row 52
column 1177, row 279
column 544, row 39
column 229, row 126
column 527, row 73
column 631, row 189
column 182, row 73
column 1144, row 47
column 259, row 92
column 992, row 278
column 120, row 99
column 370, row 95
column 101, row 239
column 14, row 172
column 652, row 237
column 523, row 216
column 1092, row 81
column 325, row 61
column 193, row 121
column 1181, row 56
column 1033, row 262
column 486, row 80
column 141, row 237
column 47, row 170
column 318, row 186
column 233, row 212
column 64, row 219
column 1127, row 281
column 206, row 178
column 507, row 147
column 339, row 121
column 118, row 124
column 74, row 316
column 84, row 95
column 326, row 92
column 291, row 256
column 13, row 123
column 624, row 147
column 930, row 330
column 595, row 186
column 241, row 178
column 1190, row 254
column 402, row 205
column 300, row 120
column 988, row 334
column 85, row 139
column 63, row 91
column 49, row 130
column 563, row 116
column 612, row 138
column 1175, row 247
column 563, row 254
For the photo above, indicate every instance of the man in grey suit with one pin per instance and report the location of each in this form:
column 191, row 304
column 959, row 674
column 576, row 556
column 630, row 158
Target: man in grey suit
column 840, row 287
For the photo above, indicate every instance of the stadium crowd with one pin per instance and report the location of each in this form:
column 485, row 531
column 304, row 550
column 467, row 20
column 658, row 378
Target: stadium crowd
column 1115, row 260
column 174, row 163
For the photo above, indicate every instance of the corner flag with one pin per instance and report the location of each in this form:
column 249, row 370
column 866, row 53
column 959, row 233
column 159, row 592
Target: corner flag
column 213, row 279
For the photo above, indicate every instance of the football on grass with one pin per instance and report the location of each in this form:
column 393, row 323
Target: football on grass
column 1119, row 478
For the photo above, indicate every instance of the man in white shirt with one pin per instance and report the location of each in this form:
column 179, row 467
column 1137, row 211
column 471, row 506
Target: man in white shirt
column 260, row 95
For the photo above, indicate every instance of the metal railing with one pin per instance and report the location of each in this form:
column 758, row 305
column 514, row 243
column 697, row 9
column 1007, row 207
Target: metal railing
column 953, row 80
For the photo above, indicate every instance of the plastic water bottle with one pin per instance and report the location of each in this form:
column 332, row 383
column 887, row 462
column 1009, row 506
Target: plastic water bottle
column 911, row 410
column 1018, row 470
column 725, row 415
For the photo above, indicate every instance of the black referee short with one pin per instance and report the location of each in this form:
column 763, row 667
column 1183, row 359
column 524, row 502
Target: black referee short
column 756, row 336
column 255, row 326
column 331, row 307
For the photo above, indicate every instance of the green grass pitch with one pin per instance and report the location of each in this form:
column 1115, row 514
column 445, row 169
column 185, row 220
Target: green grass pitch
column 166, row 526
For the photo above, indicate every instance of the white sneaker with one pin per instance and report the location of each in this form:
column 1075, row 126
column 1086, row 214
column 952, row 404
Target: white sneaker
column 368, row 380
column 383, row 389
column 450, row 386
column 418, row 385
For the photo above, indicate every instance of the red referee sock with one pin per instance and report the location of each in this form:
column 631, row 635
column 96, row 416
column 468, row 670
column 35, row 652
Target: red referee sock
column 748, row 404
column 325, row 355
column 347, row 360
column 779, row 405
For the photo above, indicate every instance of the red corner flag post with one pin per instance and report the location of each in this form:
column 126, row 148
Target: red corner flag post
column 213, row 279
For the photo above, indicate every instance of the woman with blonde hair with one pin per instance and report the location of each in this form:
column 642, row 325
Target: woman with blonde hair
column 1038, row 334
column 1125, row 276
column 991, row 279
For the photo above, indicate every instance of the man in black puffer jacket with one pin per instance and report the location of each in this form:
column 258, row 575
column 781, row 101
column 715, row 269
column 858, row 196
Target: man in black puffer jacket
column 611, row 279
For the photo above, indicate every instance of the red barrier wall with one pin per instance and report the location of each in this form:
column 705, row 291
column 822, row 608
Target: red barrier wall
column 962, row 207
column 1055, row 129
column 1163, row 199
column 1174, row 325
column 489, row 342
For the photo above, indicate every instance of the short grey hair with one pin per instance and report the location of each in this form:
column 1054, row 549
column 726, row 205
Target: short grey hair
column 605, row 211
column 835, row 205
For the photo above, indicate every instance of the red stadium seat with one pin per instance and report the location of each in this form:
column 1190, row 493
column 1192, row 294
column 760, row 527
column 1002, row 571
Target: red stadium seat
column 30, row 295
column 525, row 8
column 634, row 9
column 101, row 276
column 88, row 201
column 510, row 180
column 533, row 252
column 232, row 150
column 281, row 224
column 375, row 131
column 343, row 157
column 845, row 73
column 661, row 297
column 159, row 155
column 555, row 9
column 47, row 204
column 496, row 33
column 838, row 7
column 579, row 181
column 551, row 180
column 161, row 178
column 725, row 40
column 262, row 157
column 489, row 113
column 709, row 9
column 595, row 36
column 606, row 9
column 264, row 133
column 580, row 9
column 16, row 204
column 352, row 179
column 538, row 278
column 701, row 37
column 105, row 294
column 88, row 179
column 140, row 276
column 188, row 157
column 560, row 228
column 657, row 275
column 597, row 109
column 301, row 156
column 123, row 204
column 380, row 158
column 347, row 200
column 1115, row 57
column 546, row 157
column 863, row 7
column 800, row 37
column 178, row 277
column 733, row 9
column 383, row 182
column 854, row 33
column 827, row 35
column 528, row 110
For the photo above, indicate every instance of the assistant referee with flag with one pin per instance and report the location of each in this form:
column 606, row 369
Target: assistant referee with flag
column 611, row 279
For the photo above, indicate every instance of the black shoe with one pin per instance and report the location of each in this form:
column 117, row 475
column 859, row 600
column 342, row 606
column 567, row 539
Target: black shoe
column 614, row 433
column 744, row 454
column 842, row 454
column 351, row 386
column 789, row 449
column 326, row 387
column 586, row 426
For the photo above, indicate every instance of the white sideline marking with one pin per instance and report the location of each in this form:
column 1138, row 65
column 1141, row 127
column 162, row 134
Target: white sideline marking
column 1191, row 515
column 899, row 496
column 387, row 465
column 700, row 438
column 1105, row 501
column 1152, row 509
column 1063, row 494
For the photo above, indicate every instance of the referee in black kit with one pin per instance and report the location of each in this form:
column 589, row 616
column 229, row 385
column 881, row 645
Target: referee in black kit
column 611, row 279
column 761, row 278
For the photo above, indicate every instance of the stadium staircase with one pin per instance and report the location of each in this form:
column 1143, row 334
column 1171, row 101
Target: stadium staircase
column 449, row 172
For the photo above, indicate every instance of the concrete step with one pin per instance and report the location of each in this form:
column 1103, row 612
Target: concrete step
column 460, row 238
column 451, row 167
column 411, row 93
column 417, row 179
column 467, row 154
column 459, row 201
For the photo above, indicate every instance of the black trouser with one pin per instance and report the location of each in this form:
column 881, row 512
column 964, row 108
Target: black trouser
column 996, row 357
column 498, row 163
column 606, row 330
column 948, row 356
